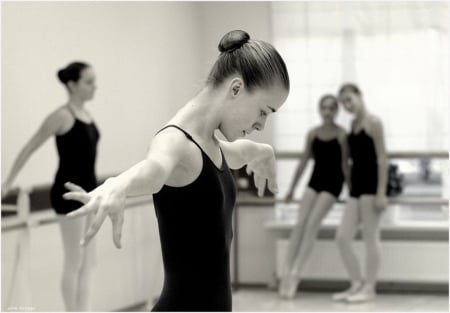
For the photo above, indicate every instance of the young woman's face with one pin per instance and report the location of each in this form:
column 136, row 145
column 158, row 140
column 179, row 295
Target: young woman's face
column 250, row 110
column 351, row 101
column 85, row 87
column 328, row 110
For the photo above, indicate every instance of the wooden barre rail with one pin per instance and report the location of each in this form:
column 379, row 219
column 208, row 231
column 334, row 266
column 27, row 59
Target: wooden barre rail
column 24, row 220
column 391, row 155
column 19, row 223
column 392, row 200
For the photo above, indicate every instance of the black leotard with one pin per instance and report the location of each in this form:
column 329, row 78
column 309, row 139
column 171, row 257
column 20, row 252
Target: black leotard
column 327, row 174
column 77, row 150
column 364, row 170
column 195, row 229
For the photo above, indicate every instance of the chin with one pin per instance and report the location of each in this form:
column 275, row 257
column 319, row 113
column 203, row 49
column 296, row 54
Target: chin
column 232, row 137
column 229, row 135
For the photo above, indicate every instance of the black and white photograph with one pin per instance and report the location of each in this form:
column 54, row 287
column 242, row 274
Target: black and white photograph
column 218, row 156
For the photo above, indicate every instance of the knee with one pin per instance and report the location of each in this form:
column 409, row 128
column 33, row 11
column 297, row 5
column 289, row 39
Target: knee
column 371, row 237
column 371, row 242
column 343, row 239
column 75, row 262
column 311, row 230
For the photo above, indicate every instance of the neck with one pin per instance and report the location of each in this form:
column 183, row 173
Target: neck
column 76, row 103
column 328, row 124
column 201, row 115
column 361, row 114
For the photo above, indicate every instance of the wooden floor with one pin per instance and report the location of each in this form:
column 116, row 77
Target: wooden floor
column 260, row 300
column 266, row 300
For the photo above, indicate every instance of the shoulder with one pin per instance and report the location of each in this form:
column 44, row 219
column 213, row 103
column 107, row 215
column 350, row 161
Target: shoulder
column 374, row 124
column 61, row 113
column 173, row 143
column 341, row 134
column 171, row 137
column 313, row 132
column 58, row 121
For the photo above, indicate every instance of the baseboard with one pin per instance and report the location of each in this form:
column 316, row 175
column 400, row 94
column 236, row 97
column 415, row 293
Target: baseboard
column 333, row 286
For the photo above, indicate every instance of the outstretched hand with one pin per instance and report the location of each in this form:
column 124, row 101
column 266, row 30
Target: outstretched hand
column 105, row 200
column 264, row 171
column 6, row 188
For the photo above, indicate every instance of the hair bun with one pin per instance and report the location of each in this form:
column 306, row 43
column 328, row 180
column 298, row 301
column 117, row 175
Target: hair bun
column 62, row 76
column 233, row 40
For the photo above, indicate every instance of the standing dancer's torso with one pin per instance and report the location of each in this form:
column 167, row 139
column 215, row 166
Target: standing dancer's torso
column 195, row 227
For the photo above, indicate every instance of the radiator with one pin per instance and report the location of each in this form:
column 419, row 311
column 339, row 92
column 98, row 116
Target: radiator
column 401, row 261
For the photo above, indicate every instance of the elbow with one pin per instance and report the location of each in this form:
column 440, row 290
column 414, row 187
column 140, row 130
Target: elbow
column 154, row 175
column 157, row 175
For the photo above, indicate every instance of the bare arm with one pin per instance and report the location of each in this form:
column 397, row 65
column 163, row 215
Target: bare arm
column 259, row 158
column 149, row 175
column 242, row 151
column 307, row 152
column 345, row 158
column 146, row 177
column 51, row 125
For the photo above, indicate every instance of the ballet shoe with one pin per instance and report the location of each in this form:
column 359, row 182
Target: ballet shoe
column 292, row 286
column 341, row 296
column 361, row 296
column 282, row 287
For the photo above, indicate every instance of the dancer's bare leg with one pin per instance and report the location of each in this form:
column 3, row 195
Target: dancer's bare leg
column 344, row 239
column 308, row 200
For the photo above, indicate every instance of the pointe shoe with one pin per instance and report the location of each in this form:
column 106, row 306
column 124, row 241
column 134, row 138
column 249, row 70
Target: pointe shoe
column 340, row 296
column 291, row 287
column 361, row 296
column 282, row 287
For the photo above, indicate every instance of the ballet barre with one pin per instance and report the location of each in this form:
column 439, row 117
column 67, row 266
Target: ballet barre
column 26, row 220
column 390, row 155
column 391, row 200
column 20, row 274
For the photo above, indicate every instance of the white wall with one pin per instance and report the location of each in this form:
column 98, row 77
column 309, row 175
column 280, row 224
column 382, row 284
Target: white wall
column 150, row 58
column 146, row 56
column 32, row 264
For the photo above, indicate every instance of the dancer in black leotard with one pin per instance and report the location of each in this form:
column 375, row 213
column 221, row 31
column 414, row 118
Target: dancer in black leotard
column 184, row 233
column 367, row 196
column 364, row 178
column 77, row 150
column 187, row 172
column 76, row 141
column 328, row 146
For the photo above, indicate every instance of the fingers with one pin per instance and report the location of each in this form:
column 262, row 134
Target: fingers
column 80, row 196
column 117, row 223
column 73, row 187
column 94, row 227
column 260, row 184
column 272, row 185
column 248, row 170
column 84, row 210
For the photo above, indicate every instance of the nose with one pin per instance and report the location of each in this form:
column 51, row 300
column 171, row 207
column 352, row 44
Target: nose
column 260, row 125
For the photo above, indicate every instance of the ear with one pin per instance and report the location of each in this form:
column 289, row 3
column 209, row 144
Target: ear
column 236, row 86
column 71, row 85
